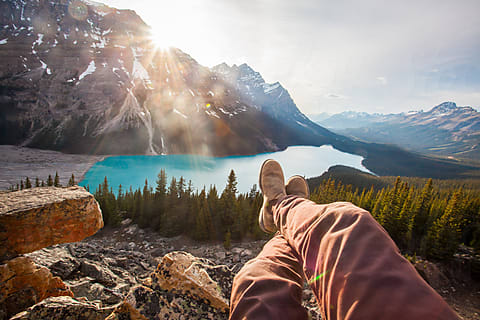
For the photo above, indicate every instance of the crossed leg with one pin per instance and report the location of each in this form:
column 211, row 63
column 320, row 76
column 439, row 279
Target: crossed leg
column 269, row 286
column 354, row 268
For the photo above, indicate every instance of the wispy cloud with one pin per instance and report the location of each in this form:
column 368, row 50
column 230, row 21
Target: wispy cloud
column 382, row 80
column 334, row 96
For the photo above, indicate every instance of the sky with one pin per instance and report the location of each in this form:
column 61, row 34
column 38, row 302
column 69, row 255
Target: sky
column 333, row 56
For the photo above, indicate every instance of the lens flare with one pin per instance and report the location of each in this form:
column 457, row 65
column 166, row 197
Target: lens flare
column 318, row 277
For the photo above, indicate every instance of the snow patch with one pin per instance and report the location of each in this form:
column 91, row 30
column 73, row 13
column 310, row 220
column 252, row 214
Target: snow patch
column 139, row 71
column 225, row 112
column 4, row 41
column 267, row 88
column 45, row 67
column 39, row 41
column 90, row 69
column 212, row 113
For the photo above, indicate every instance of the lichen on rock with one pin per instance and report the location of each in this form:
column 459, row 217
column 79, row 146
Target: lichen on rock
column 36, row 218
column 181, row 272
column 22, row 284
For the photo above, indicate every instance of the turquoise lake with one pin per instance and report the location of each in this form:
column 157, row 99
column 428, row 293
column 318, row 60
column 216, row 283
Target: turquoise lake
column 205, row 171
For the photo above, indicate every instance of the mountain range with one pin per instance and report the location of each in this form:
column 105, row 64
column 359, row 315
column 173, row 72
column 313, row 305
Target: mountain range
column 445, row 130
column 82, row 77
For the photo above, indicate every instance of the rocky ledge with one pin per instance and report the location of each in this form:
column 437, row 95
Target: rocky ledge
column 132, row 273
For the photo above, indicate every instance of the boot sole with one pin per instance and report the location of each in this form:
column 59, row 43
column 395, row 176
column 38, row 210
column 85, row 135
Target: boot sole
column 308, row 188
column 260, row 216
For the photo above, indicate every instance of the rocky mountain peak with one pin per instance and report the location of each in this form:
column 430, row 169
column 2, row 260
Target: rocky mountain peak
column 444, row 107
column 77, row 76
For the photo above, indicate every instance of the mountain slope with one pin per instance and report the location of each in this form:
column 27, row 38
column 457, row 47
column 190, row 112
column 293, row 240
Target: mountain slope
column 445, row 130
column 273, row 100
column 85, row 78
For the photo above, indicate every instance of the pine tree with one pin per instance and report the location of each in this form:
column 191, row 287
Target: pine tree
column 160, row 199
column 37, row 182
column 49, row 181
column 420, row 214
column 227, row 202
column 56, row 181
column 28, row 184
column 444, row 237
column 71, row 181
column 204, row 229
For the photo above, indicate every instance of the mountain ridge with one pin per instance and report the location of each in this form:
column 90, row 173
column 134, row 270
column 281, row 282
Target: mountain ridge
column 88, row 76
column 444, row 130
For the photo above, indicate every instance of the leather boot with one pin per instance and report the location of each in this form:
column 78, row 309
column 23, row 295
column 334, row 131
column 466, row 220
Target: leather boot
column 271, row 183
column 298, row 186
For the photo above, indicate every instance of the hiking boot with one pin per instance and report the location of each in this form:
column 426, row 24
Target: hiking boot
column 298, row 186
column 271, row 181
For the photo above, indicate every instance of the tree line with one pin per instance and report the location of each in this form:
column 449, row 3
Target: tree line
column 175, row 208
column 430, row 220
column 51, row 182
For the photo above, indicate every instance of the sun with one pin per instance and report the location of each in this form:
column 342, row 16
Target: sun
column 171, row 25
column 164, row 37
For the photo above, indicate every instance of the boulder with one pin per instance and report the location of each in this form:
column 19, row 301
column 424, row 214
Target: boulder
column 93, row 291
column 22, row 284
column 100, row 273
column 181, row 272
column 36, row 218
column 182, row 287
column 61, row 308
column 58, row 259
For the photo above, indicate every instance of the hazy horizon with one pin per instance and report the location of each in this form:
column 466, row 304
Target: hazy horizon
column 332, row 57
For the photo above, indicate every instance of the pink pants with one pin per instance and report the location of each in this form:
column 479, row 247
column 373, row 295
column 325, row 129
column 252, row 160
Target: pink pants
column 353, row 267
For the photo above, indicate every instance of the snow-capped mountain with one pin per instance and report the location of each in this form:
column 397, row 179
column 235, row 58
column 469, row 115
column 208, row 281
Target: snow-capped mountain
column 444, row 130
column 79, row 76
column 272, row 99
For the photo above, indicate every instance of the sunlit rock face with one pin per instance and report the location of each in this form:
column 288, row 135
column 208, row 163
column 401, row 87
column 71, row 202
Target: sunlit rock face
column 81, row 77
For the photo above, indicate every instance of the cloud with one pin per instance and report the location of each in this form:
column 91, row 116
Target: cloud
column 334, row 96
column 382, row 80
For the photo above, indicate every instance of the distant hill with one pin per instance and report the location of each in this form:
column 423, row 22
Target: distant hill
column 445, row 130
column 348, row 175
column 363, row 180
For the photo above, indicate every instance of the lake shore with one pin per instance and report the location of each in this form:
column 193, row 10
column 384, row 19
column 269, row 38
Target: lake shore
column 19, row 162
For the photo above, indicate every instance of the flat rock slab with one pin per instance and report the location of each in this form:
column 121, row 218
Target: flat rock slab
column 36, row 218
column 61, row 308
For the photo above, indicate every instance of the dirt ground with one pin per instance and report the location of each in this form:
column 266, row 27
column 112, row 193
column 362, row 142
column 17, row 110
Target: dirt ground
column 18, row 163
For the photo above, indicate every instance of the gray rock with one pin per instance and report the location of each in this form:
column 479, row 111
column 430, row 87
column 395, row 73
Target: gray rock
column 100, row 273
column 61, row 308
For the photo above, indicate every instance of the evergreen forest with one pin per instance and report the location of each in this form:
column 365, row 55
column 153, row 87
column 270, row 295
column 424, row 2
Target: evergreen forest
column 424, row 217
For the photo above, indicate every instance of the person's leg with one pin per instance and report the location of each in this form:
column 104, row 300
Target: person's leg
column 270, row 285
column 354, row 268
